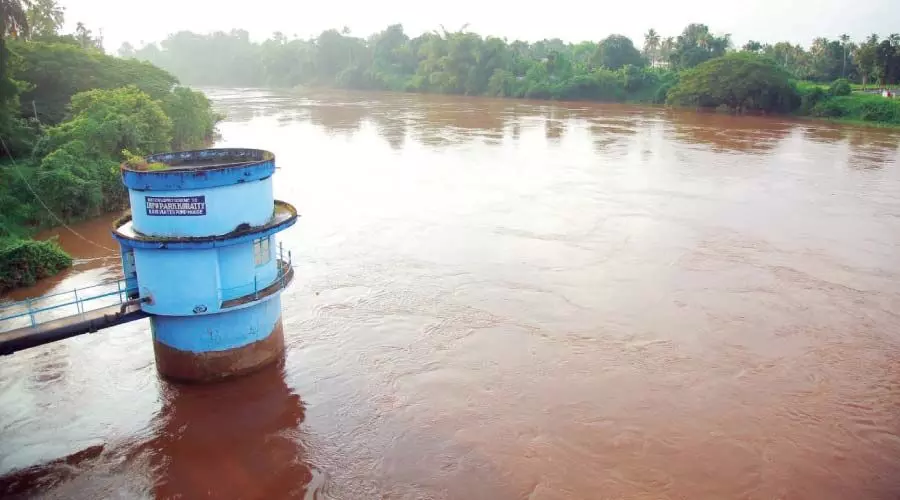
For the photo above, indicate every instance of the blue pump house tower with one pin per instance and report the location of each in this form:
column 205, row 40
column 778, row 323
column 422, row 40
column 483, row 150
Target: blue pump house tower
column 199, row 248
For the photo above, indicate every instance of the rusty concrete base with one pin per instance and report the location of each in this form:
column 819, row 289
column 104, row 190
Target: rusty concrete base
column 184, row 366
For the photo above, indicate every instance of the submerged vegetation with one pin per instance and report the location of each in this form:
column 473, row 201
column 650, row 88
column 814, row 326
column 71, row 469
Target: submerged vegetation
column 69, row 116
column 23, row 262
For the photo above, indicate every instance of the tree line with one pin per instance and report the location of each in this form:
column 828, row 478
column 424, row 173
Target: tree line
column 873, row 60
column 462, row 62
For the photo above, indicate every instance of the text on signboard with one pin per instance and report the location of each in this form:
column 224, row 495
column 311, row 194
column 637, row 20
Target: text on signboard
column 176, row 205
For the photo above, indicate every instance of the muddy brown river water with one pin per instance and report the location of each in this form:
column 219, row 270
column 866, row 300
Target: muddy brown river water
column 514, row 300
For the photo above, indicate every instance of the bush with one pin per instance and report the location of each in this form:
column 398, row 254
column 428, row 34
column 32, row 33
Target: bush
column 18, row 134
column 108, row 121
column 840, row 87
column 810, row 94
column 16, row 202
column 635, row 78
column 599, row 85
column 538, row 90
column 500, row 84
column 668, row 81
column 23, row 262
column 68, row 183
column 861, row 107
column 79, row 175
column 738, row 81
column 193, row 120
column 135, row 162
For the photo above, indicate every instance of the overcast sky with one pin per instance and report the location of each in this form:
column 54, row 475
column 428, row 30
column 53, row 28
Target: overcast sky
column 766, row 20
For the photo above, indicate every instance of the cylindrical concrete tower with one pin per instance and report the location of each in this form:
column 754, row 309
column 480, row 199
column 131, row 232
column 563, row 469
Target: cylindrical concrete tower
column 199, row 246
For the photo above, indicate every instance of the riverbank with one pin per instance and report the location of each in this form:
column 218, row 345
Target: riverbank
column 852, row 122
column 647, row 86
column 852, row 111
column 614, row 69
column 860, row 109
column 23, row 260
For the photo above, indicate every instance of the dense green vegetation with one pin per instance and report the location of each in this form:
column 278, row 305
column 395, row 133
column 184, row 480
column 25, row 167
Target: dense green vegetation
column 22, row 262
column 462, row 62
column 697, row 68
column 69, row 115
column 57, row 71
column 744, row 82
column 740, row 82
column 447, row 62
column 861, row 108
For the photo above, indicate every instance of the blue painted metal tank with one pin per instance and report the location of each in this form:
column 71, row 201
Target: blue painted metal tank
column 199, row 246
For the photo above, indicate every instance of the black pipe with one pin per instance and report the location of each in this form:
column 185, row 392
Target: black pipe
column 131, row 302
column 72, row 326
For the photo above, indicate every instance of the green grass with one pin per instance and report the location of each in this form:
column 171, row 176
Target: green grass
column 808, row 83
column 864, row 108
column 871, row 86
column 851, row 121
column 825, row 85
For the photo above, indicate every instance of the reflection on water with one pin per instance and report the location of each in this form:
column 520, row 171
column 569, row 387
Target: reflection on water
column 722, row 133
column 514, row 299
column 235, row 440
column 872, row 149
column 858, row 147
column 245, row 433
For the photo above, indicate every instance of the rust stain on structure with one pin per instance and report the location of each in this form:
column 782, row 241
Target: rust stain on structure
column 210, row 366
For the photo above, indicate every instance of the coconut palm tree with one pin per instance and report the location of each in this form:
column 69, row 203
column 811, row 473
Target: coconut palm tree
column 13, row 18
column 83, row 35
column 45, row 18
column 13, row 22
column 753, row 46
column 666, row 48
column 844, row 39
column 651, row 45
column 864, row 57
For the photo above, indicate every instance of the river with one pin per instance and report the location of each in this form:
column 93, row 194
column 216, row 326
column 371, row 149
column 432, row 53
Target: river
column 500, row 299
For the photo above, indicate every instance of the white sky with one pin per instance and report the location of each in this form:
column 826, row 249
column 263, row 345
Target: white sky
column 766, row 20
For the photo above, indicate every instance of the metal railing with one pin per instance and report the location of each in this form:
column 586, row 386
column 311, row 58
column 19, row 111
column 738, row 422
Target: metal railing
column 251, row 291
column 78, row 297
